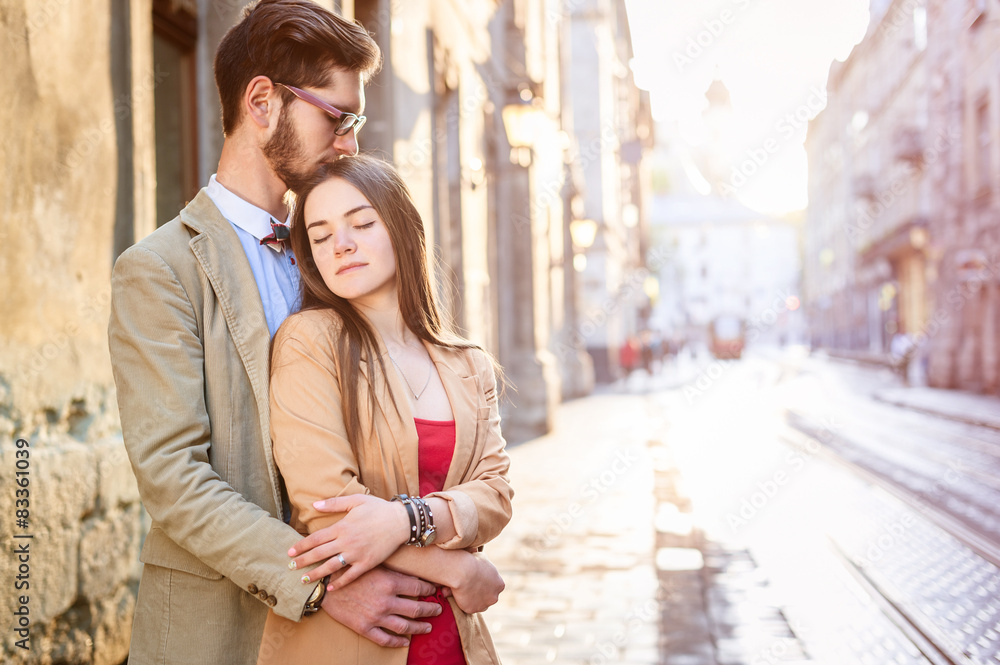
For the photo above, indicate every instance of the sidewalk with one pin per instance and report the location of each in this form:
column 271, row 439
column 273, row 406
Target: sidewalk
column 971, row 408
column 604, row 561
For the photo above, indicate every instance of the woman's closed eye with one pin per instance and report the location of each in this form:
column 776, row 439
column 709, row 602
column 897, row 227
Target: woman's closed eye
column 317, row 241
column 365, row 226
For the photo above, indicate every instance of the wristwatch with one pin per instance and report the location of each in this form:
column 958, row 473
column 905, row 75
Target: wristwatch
column 316, row 597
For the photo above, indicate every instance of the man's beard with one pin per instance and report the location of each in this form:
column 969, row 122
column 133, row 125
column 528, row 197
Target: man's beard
column 282, row 151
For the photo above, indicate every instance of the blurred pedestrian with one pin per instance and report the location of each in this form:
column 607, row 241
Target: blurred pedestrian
column 372, row 398
column 628, row 356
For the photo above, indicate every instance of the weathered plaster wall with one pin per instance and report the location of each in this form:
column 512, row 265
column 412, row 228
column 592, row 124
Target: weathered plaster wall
column 58, row 157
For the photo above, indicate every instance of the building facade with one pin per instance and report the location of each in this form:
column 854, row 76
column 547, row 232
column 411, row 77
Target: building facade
column 869, row 200
column 903, row 223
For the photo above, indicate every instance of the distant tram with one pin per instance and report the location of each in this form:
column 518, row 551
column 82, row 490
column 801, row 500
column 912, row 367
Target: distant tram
column 726, row 337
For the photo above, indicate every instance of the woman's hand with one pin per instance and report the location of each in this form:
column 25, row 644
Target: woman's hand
column 367, row 535
column 479, row 584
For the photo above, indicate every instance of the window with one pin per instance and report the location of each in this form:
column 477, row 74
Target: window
column 174, row 37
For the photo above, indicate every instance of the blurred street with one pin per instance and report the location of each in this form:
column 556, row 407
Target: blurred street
column 782, row 508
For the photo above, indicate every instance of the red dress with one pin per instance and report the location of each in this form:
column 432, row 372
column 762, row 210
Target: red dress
column 442, row 645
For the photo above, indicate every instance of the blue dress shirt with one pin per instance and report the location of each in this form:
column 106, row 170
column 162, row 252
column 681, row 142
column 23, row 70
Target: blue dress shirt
column 273, row 267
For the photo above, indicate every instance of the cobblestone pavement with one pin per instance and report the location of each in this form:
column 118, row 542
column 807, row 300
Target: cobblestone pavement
column 679, row 521
column 578, row 555
column 604, row 561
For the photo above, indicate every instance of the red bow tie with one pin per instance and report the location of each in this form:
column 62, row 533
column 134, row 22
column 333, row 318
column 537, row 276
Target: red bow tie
column 279, row 235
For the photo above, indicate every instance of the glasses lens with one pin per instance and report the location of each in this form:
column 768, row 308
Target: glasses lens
column 348, row 122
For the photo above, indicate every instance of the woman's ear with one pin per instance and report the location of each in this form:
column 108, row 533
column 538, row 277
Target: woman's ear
column 261, row 102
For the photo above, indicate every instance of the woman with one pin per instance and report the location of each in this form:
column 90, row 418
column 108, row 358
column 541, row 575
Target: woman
column 371, row 399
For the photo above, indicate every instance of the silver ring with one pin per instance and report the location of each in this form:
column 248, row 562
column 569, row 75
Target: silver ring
column 343, row 561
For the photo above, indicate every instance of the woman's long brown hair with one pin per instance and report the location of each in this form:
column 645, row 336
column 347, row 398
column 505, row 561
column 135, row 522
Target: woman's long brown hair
column 382, row 185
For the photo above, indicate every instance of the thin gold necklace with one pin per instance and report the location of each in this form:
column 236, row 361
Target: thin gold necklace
column 416, row 395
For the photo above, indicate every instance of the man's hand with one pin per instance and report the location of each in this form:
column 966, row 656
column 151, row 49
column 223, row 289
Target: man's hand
column 479, row 585
column 375, row 604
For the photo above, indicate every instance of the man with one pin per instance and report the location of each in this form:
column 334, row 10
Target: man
column 193, row 309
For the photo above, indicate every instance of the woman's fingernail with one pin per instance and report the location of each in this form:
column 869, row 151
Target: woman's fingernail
column 291, row 552
column 319, row 504
column 292, row 565
column 305, row 579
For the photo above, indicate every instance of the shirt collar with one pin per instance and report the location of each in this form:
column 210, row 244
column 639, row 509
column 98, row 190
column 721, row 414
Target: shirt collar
column 241, row 213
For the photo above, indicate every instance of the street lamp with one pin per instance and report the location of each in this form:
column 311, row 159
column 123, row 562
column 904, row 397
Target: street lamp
column 583, row 232
column 522, row 121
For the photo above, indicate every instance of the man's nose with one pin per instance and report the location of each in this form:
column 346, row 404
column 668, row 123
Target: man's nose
column 346, row 145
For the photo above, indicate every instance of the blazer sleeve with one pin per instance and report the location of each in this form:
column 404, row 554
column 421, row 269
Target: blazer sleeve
column 158, row 361
column 308, row 433
column 481, row 504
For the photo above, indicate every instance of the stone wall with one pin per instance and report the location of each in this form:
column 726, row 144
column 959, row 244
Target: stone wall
column 58, row 192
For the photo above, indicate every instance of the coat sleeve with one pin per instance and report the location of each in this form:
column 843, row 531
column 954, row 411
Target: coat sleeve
column 159, row 366
column 308, row 433
column 481, row 504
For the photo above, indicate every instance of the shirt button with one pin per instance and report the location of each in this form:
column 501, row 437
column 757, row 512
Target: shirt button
column 272, row 601
column 252, row 588
column 262, row 595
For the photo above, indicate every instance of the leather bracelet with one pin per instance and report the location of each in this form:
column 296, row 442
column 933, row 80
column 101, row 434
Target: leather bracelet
column 429, row 532
column 414, row 532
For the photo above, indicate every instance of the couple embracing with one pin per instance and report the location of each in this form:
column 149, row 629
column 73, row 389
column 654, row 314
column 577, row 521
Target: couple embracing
column 320, row 456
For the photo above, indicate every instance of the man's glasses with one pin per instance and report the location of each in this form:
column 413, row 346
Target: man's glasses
column 345, row 121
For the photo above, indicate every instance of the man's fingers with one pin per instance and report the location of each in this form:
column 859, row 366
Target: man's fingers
column 414, row 609
column 401, row 626
column 404, row 585
column 384, row 639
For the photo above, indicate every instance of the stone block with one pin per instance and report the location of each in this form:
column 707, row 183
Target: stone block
column 117, row 487
column 109, row 547
column 112, row 626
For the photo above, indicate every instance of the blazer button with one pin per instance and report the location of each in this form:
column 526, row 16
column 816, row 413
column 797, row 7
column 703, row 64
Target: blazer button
column 252, row 589
column 272, row 601
column 262, row 595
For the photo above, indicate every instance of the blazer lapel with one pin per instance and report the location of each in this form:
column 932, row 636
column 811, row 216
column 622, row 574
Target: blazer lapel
column 218, row 250
column 460, row 386
column 399, row 425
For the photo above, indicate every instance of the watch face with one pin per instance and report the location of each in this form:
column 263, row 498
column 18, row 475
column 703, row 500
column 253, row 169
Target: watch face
column 429, row 536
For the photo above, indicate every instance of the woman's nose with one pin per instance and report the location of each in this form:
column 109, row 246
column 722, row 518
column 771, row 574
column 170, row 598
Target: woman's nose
column 343, row 243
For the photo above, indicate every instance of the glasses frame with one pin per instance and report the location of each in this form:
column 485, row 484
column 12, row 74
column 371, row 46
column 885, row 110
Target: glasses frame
column 356, row 121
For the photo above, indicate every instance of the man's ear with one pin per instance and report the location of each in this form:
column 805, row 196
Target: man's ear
column 261, row 102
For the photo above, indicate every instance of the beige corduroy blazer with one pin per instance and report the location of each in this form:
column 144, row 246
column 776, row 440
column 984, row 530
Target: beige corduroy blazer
column 190, row 351
column 317, row 461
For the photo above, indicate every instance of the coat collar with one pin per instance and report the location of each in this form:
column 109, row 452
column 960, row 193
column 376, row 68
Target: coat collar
column 217, row 248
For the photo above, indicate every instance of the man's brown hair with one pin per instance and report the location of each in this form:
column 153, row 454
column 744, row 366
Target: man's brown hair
column 289, row 41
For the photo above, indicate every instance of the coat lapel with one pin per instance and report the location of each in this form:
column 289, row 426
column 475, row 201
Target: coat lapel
column 218, row 250
column 460, row 386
